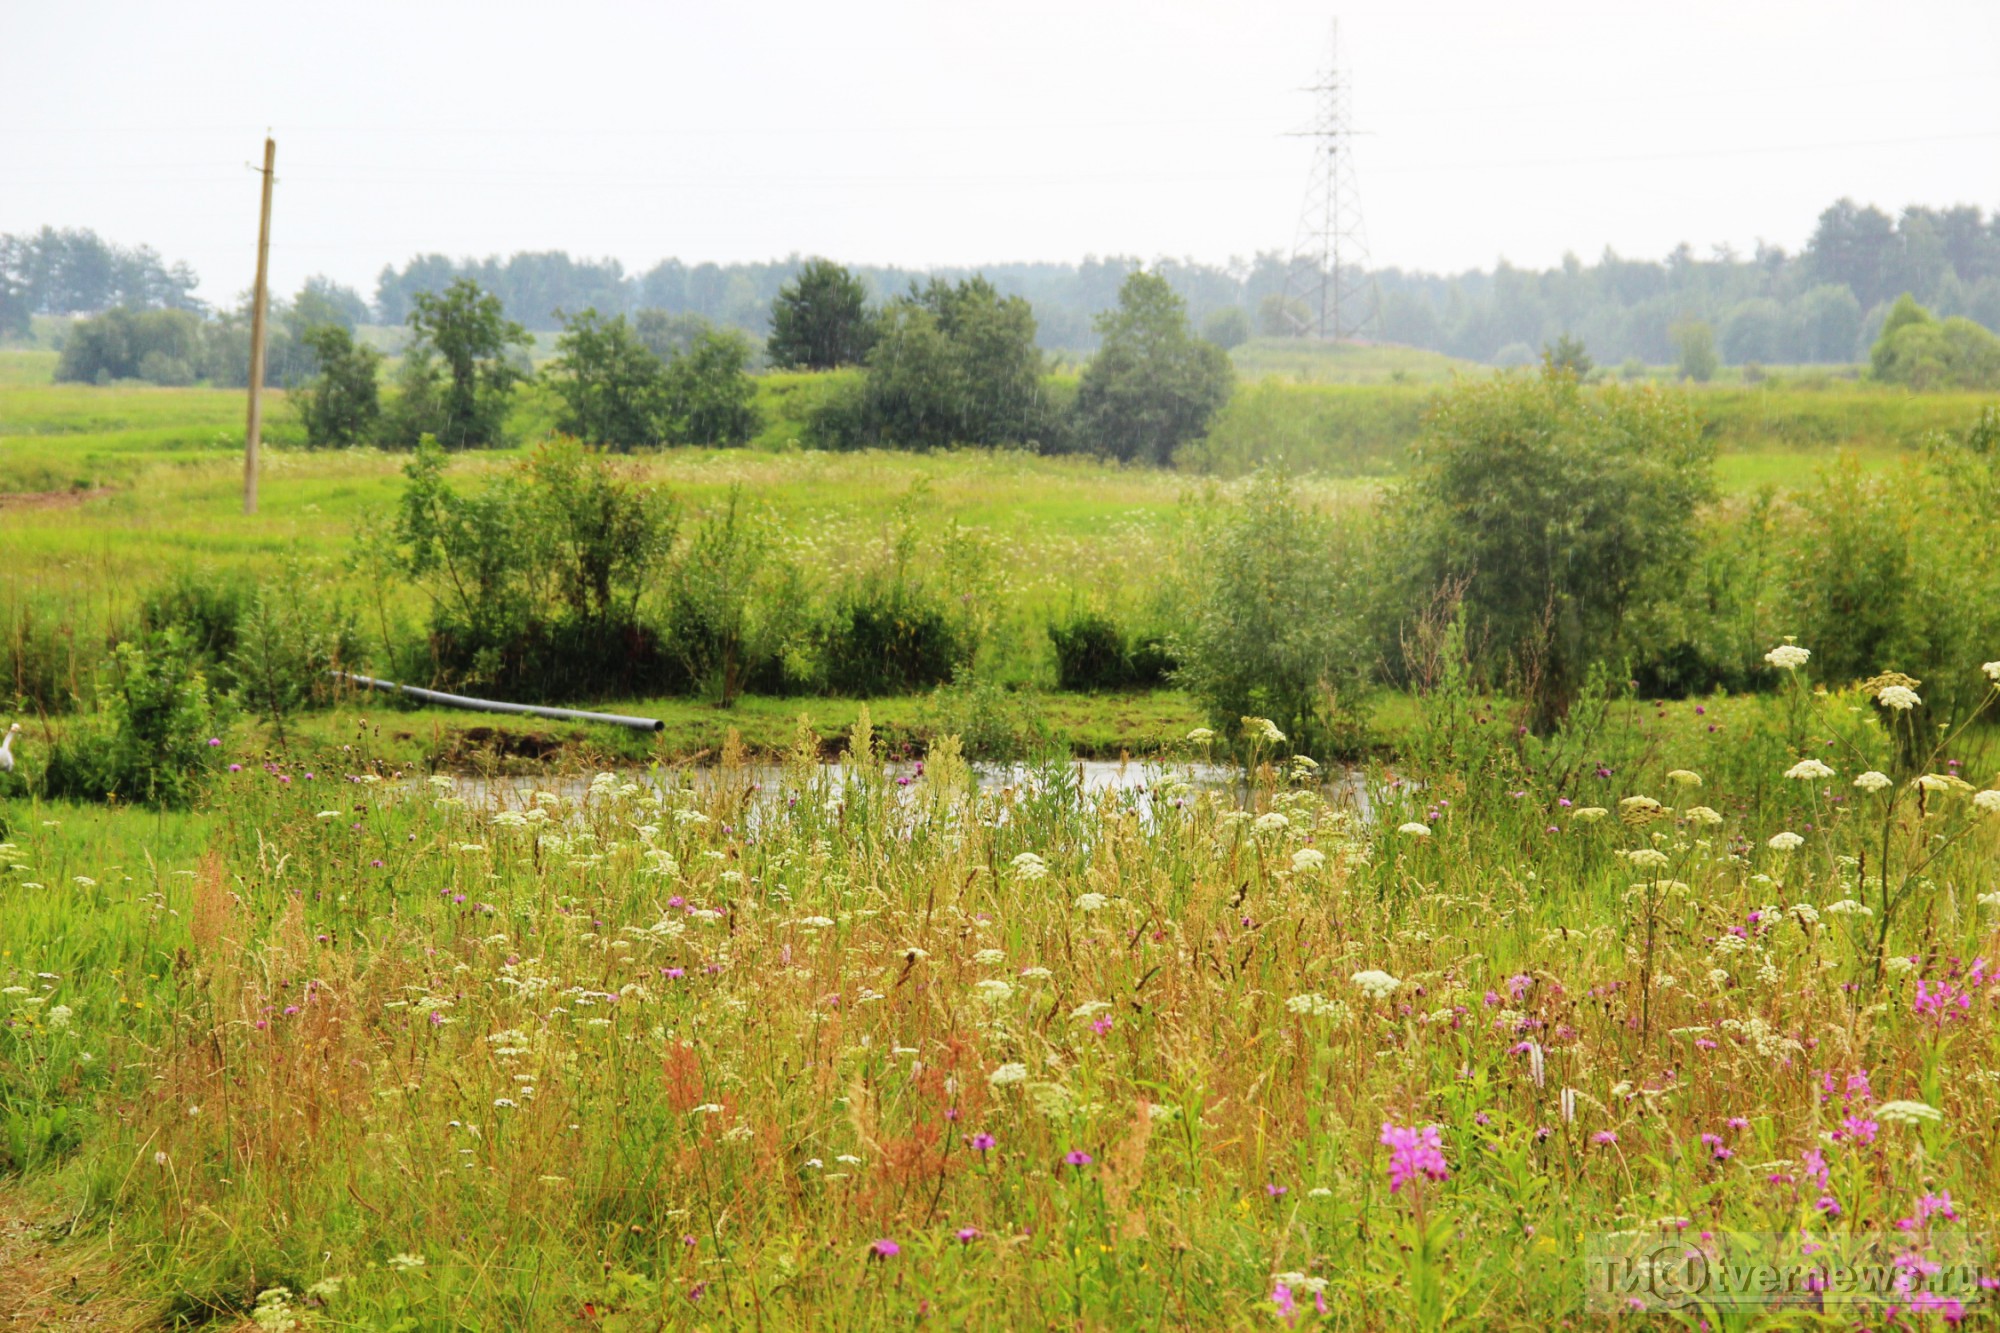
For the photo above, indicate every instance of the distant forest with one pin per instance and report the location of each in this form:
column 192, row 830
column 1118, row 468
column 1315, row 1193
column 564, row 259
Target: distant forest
column 1823, row 304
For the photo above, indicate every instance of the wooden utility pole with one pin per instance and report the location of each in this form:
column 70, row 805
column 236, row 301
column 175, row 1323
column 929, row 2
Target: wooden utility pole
column 253, row 435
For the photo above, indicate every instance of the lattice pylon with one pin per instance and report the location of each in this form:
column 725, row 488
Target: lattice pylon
column 1329, row 293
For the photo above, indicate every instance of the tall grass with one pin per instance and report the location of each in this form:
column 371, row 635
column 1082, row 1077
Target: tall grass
column 843, row 1050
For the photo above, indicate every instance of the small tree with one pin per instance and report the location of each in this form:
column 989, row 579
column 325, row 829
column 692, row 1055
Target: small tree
column 820, row 319
column 1153, row 386
column 1274, row 628
column 341, row 404
column 709, row 395
column 469, row 334
column 1917, row 350
column 1568, row 354
column 1226, row 328
column 613, row 388
column 1694, row 345
column 1555, row 508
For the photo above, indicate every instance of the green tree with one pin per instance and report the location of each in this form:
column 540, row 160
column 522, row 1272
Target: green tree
column 341, row 404
column 820, row 319
column 1694, row 345
column 1227, row 328
column 1916, row 349
column 468, row 334
column 955, row 364
column 1568, row 353
column 612, row 386
column 709, row 395
column 1556, row 509
column 1153, row 386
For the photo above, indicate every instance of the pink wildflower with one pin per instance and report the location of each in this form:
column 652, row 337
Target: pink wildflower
column 1413, row 1152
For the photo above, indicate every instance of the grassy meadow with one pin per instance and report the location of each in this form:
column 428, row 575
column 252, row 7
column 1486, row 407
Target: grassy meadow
column 421, row 1020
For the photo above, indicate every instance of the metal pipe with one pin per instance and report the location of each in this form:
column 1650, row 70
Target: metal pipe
column 495, row 706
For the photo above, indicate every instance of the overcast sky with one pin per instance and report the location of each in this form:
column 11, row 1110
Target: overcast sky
column 951, row 133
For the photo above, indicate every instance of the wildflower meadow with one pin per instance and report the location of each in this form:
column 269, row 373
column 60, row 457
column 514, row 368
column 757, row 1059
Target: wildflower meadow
column 867, row 1045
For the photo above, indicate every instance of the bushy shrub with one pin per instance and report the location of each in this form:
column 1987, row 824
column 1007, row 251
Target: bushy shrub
column 991, row 722
column 1094, row 652
column 287, row 643
column 341, row 405
column 889, row 635
column 535, row 581
column 205, row 609
column 1918, row 350
column 1557, row 510
column 153, row 739
column 165, row 346
column 1275, row 629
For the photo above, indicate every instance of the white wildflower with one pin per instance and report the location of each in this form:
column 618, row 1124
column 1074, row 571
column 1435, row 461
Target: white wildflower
column 992, row 990
column 59, row 1016
column 1701, row 814
column 1872, row 781
column 1091, row 902
column 1201, row 736
column 1029, row 866
column 989, row 957
column 1992, row 670
column 1785, row 842
column 1314, row 1005
column 1849, row 907
column 1011, row 1072
column 1263, row 729
column 1899, row 697
column 1646, row 858
column 1375, row 983
column 1788, row 656
column 1589, row 814
column 1415, row 830
column 1684, row 777
column 1308, row 859
column 1988, row 802
column 1272, row 822
column 1907, row 1113
column 1808, row 770
column 403, row 1263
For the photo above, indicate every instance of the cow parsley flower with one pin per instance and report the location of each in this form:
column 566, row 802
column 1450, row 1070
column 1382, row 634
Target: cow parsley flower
column 1987, row 801
column 1992, row 670
column 1907, row 1113
column 1263, row 729
column 1011, row 1072
column 1029, row 866
column 1684, row 777
column 1702, row 814
column 1375, row 983
column 1899, row 697
column 1091, row 902
column 1308, row 859
column 1785, row 842
column 1872, row 781
column 1415, row 830
column 1808, row 770
column 1788, row 656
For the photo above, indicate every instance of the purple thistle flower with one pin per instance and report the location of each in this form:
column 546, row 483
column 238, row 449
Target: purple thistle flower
column 885, row 1249
column 966, row 1235
column 983, row 1142
column 1077, row 1157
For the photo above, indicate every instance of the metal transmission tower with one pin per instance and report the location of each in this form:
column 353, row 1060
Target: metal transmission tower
column 1328, row 291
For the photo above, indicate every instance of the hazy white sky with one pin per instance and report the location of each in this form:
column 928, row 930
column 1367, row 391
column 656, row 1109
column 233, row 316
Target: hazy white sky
column 940, row 133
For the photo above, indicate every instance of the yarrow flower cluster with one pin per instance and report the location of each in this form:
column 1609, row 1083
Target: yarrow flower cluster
column 1872, row 781
column 1413, row 1152
column 1785, row 842
column 1808, row 770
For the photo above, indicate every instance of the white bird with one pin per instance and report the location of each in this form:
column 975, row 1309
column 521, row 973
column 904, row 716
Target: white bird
column 7, row 749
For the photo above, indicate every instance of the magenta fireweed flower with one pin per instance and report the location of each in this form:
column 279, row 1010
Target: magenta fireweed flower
column 1288, row 1308
column 1413, row 1152
column 885, row 1249
column 1856, row 1129
column 1935, row 1205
